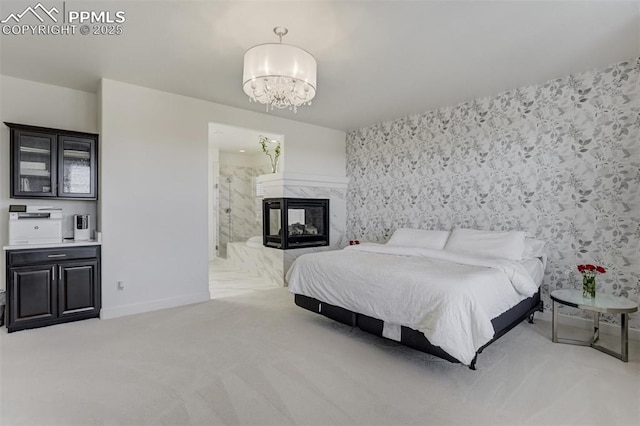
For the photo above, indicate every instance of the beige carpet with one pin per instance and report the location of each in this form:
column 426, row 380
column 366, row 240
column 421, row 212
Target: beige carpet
column 258, row 359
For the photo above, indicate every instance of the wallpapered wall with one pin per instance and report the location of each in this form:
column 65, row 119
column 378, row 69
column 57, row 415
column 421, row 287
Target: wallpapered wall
column 559, row 160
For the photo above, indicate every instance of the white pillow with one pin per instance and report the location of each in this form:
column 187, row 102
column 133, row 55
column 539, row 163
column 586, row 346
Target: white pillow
column 419, row 238
column 508, row 244
column 533, row 248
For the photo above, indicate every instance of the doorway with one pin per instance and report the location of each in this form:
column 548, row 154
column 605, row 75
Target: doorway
column 236, row 159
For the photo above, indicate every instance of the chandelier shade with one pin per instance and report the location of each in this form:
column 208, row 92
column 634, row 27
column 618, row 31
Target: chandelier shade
column 279, row 75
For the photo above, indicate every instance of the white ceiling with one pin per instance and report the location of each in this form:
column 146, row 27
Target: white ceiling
column 377, row 60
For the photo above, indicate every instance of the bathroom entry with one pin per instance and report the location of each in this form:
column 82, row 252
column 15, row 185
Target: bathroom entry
column 235, row 207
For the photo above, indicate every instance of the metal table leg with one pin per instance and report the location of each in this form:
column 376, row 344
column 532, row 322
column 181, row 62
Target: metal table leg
column 591, row 342
column 624, row 338
column 554, row 322
column 623, row 355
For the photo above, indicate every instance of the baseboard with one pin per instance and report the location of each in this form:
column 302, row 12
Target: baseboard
column 587, row 324
column 154, row 305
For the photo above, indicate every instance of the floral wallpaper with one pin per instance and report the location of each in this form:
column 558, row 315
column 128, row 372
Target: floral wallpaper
column 560, row 160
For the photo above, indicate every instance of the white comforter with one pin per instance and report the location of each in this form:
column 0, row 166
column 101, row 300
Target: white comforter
column 449, row 297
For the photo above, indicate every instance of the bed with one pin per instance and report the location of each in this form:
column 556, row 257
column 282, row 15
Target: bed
column 440, row 295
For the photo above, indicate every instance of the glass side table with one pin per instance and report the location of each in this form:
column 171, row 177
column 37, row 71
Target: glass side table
column 602, row 303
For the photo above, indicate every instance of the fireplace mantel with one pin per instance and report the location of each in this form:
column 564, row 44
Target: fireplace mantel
column 276, row 183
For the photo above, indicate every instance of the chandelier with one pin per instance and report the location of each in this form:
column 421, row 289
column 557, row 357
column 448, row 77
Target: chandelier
column 279, row 75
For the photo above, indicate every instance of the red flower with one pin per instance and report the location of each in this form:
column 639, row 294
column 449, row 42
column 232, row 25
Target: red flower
column 590, row 267
column 600, row 269
column 580, row 268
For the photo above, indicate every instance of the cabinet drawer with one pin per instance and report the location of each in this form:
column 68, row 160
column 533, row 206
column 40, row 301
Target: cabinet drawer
column 27, row 257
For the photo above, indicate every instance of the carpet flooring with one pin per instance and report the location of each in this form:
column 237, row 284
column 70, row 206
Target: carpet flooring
column 257, row 359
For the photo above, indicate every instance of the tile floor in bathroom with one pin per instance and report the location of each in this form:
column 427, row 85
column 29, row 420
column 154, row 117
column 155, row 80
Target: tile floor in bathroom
column 225, row 281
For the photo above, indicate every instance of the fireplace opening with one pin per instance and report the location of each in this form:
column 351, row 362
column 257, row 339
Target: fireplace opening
column 305, row 220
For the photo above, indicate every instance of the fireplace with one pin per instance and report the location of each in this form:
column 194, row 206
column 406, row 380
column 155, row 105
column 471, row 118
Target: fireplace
column 305, row 220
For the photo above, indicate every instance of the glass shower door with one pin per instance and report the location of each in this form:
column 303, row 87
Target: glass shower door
column 225, row 224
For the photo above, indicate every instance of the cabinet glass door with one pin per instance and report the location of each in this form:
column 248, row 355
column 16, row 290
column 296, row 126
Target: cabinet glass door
column 36, row 165
column 77, row 167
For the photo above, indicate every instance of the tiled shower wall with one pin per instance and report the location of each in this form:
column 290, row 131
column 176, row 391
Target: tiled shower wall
column 237, row 193
column 560, row 160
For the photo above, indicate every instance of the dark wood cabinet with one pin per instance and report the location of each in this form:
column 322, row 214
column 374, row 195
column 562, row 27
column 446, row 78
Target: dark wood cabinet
column 51, row 286
column 53, row 163
column 32, row 294
column 77, row 288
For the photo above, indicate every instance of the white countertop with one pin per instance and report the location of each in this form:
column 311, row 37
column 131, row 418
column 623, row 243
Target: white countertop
column 64, row 244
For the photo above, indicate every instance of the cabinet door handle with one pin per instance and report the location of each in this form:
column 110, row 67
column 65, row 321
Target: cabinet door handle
column 60, row 272
column 54, row 275
column 57, row 255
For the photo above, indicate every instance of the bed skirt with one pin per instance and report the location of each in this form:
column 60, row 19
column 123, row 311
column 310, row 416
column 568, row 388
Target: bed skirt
column 415, row 339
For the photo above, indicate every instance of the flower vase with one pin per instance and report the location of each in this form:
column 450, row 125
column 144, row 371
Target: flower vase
column 274, row 166
column 589, row 286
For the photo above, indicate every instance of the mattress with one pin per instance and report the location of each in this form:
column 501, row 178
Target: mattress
column 535, row 268
column 450, row 298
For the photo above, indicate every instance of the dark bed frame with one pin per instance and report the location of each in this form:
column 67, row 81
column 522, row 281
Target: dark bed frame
column 415, row 339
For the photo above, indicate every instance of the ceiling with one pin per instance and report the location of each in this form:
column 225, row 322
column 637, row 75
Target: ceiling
column 377, row 60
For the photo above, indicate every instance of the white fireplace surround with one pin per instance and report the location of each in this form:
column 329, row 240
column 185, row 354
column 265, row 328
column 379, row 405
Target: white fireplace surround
column 282, row 181
column 298, row 185
column 275, row 263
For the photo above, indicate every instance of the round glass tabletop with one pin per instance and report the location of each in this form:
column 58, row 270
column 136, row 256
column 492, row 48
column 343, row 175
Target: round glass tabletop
column 604, row 303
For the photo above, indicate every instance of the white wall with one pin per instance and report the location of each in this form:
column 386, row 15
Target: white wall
column 154, row 198
column 37, row 104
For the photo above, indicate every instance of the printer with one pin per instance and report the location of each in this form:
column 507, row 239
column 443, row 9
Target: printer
column 34, row 225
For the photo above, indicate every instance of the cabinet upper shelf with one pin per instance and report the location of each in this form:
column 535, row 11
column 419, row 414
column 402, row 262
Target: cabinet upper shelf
column 33, row 150
column 76, row 154
column 34, row 172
